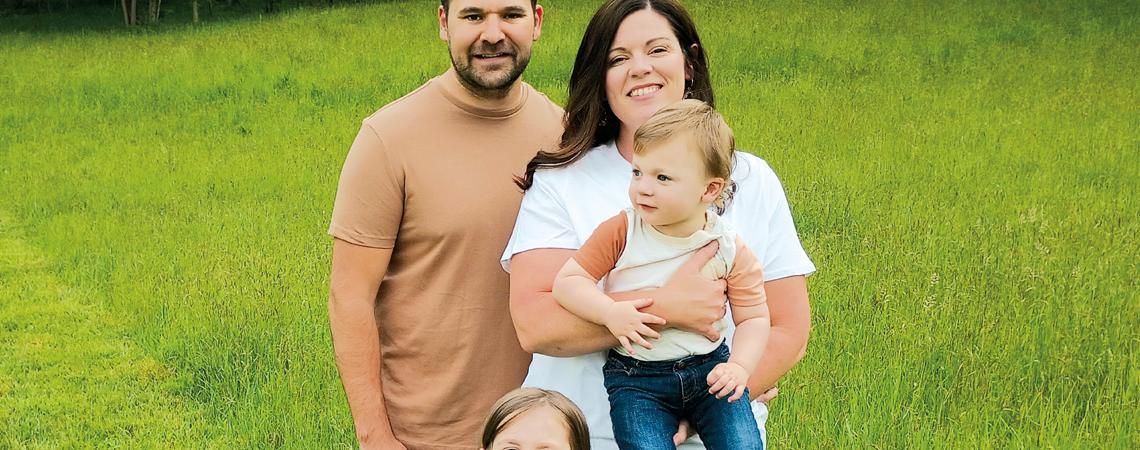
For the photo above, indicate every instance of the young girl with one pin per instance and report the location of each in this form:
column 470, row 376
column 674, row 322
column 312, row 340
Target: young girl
column 531, row 419
column 682, row 158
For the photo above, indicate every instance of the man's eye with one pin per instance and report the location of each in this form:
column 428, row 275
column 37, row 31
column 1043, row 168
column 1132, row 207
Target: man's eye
column 663, row 178
column 472, row 17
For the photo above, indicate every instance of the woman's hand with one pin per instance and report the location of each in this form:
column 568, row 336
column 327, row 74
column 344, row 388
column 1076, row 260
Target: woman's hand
column 690, row 301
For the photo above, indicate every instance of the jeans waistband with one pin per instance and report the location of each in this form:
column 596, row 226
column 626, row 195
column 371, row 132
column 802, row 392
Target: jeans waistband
column 681, row 363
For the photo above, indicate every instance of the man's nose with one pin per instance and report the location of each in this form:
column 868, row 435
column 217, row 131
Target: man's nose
column 492, row 30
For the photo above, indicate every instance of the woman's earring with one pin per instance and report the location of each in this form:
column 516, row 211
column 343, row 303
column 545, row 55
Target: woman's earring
column 602, row 123
column 688, row 89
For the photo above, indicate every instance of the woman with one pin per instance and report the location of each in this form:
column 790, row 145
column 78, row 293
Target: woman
column 636, row 57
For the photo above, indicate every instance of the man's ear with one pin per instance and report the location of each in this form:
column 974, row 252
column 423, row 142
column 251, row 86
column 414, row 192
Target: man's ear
column 713, row 190
column 537, row 21
column 442, row 23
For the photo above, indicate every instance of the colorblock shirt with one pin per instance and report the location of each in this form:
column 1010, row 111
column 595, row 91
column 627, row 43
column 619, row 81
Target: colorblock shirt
column 430, row 177
column 632, row 255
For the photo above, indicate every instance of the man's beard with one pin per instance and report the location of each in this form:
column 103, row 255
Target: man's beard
column 490, row 83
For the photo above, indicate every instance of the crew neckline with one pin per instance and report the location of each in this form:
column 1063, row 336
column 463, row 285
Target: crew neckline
column 704, row 234
column 451, row 89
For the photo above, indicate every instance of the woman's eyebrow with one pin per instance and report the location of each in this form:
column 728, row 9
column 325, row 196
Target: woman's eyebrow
column 647, row 43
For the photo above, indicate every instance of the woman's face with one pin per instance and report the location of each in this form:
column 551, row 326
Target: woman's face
column 647, row 69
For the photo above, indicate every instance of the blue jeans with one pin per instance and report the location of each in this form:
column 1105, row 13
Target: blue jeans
column 649, row 398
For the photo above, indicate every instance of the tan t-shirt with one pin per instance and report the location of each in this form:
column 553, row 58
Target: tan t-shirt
column 430, row 176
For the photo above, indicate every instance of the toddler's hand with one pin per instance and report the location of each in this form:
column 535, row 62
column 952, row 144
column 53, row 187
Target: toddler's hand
column 728, row 378
column 631, row 326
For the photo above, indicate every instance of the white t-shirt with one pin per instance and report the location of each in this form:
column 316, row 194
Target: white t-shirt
column 561, row 210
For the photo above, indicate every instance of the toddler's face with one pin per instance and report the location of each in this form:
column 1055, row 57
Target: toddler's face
column 540, row 428
column 670, row 188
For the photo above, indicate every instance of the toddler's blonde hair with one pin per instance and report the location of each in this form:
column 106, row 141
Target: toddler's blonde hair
column 708, row 132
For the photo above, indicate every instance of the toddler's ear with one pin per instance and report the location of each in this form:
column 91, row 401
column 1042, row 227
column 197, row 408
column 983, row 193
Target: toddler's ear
column 712, row 191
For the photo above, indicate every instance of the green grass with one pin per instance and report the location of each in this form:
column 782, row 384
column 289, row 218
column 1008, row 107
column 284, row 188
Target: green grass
column 964, row 175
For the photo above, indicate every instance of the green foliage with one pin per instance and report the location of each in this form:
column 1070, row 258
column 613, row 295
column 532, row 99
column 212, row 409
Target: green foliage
column 964, row 175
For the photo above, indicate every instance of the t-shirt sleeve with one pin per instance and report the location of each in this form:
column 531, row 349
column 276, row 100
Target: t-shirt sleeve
column 601, row 251
column 370, row 196
column 543, row 222
column 746, row 278
column 773, row 237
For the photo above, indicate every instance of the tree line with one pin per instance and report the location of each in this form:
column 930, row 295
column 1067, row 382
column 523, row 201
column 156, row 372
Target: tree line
column 149, row 12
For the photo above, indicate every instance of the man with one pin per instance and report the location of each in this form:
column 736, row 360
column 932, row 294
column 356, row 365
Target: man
column 418, row 302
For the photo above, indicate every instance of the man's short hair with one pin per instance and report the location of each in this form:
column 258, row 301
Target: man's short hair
column 447, row 3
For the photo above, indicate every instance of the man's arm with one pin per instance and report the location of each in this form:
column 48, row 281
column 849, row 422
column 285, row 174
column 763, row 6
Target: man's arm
column 686, row 301
column 356, row 275
column 787, row 340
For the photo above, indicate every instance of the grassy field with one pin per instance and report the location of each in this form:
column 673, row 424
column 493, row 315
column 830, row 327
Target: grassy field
column 965, row 175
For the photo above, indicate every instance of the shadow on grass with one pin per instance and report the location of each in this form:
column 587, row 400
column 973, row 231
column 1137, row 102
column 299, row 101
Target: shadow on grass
column 107, row 18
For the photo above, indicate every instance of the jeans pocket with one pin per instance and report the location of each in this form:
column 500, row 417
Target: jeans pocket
column 615, row 366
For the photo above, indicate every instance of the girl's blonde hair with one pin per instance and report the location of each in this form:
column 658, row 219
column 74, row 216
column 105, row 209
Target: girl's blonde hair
column 708, row 132
column 522, row 400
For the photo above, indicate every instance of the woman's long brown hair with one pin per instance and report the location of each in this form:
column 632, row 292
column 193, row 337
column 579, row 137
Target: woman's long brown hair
column 589, row 121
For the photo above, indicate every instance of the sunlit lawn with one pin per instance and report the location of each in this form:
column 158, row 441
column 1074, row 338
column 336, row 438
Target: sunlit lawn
column 965, row 176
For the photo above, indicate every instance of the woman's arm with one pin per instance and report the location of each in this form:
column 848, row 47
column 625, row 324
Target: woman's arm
column 787, row 340
column 544, row 326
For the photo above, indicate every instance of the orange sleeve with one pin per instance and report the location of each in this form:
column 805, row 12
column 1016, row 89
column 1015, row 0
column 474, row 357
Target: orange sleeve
column 601, row 251
column 746, row 279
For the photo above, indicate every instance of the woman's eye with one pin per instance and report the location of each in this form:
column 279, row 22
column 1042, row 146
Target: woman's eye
column 617, row 60
column 636, row 173
column 663, row 178
column 659, row 50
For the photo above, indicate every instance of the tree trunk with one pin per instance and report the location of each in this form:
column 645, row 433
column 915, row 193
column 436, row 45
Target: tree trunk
column 126, row 17
column 195, row 8
column 134, row 12
column 153, row 8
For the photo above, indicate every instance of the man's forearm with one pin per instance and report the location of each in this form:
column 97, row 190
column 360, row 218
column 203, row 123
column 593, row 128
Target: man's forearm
column 357, row 346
